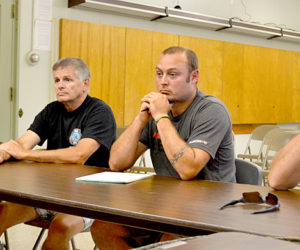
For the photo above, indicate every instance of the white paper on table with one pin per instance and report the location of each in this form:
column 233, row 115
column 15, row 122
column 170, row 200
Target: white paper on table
column 113, row 177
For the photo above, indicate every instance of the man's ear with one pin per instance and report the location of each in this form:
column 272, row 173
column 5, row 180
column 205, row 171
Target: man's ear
column 195, row 76
column 87, row 83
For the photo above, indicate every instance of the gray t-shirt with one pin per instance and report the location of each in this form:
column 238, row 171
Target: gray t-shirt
column 205, row 124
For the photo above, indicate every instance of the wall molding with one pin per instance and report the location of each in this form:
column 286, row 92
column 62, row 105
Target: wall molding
column 165, row 14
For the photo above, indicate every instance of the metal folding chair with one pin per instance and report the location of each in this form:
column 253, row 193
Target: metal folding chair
column 256, row 138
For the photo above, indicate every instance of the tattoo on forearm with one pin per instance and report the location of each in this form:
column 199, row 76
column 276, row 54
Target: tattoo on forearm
column 177, row 155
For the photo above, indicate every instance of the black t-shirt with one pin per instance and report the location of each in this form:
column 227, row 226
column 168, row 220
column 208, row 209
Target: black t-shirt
column 93, row 119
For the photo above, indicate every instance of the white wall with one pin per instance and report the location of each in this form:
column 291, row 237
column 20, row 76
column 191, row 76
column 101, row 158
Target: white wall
column 34, row 82
column 278, row 12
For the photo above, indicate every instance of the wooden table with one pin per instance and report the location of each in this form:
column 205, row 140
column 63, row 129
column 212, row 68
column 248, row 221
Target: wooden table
column 159, row 203
column 227, row 240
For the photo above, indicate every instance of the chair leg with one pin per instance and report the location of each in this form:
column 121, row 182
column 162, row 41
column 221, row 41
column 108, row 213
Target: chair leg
column 39, row 239
column 73, row 244
column 36, row 244
column 6, row 240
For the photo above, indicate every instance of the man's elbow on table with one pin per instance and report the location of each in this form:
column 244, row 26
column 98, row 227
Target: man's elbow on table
column 112, row 165
column 278, row 183
column 80, row 158
column 187, row 174
column 115, row 165
column 75, row 156
column 192, row 166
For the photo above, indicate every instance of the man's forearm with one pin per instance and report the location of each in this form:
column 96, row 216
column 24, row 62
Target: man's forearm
column 78, row 154
column 65, row 155
column 124, row 151
column 182, row 157
column 285, row 168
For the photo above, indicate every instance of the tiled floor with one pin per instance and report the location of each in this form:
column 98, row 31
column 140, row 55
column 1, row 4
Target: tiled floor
column 23, row 237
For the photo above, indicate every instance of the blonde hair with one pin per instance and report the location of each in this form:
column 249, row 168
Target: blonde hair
column 190, row 56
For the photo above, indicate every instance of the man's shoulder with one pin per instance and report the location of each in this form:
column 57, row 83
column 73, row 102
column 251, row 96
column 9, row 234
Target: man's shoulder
column 55, row 105
column 203, row 101
column 96, row 101
column 202, row 97
column 96, row 105
column 211, row 106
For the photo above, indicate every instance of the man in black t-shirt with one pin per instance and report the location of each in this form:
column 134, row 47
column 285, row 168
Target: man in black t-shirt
column 78, row 129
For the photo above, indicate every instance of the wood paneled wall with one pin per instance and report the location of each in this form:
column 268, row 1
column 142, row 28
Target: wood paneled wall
column 257, row 84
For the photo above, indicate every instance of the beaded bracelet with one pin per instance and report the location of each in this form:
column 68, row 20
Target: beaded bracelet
column 160, row 117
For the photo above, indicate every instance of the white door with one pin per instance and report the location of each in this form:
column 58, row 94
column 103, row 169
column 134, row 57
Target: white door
column 7, row 53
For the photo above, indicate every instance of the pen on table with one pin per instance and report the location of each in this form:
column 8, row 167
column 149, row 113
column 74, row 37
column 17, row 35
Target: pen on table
column 145, row 109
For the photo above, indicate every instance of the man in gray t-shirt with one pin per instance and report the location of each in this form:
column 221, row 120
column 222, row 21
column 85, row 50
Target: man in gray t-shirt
column 206, row 125
column 189, row 135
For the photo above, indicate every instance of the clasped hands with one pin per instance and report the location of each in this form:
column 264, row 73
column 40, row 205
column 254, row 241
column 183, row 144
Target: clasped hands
column 156, row 104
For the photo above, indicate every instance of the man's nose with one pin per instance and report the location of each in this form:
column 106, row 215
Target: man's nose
column 60, row 84
column 164, row 79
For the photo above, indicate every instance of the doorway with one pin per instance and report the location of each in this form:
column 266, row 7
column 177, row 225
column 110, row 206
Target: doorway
column 7, row 61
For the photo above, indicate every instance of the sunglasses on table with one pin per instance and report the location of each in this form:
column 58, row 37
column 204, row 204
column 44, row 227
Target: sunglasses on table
column 256, row 198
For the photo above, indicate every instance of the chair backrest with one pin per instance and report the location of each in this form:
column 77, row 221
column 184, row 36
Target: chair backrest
column 268, row 139
column 248, row 173
column 258, row 134
column 120, row 130
column 276, row 142
column 233, row 139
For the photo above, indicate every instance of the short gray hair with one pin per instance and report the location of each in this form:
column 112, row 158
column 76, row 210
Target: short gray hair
column 82, row 71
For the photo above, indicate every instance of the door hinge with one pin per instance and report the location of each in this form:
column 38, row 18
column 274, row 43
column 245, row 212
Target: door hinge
column 20, row 112
column 11, row 94
column 12, row 11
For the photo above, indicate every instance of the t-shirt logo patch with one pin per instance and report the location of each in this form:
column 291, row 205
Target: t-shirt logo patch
column 198, row 141
column 156, row 135
column 75, row 136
